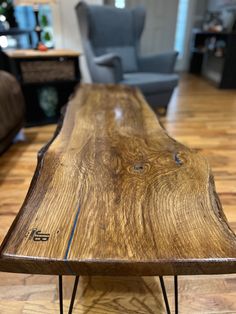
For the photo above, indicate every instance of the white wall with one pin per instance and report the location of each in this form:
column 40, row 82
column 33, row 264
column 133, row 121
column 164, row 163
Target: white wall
column 200, row 11
column 66, row 29
column 160, row 24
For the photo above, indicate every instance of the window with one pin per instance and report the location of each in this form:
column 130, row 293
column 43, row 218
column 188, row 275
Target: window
column 181, row 26
column 120, row 4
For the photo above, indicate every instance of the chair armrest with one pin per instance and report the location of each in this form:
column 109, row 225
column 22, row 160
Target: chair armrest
column 111, row 64
column 162, row 63
column 108, row 59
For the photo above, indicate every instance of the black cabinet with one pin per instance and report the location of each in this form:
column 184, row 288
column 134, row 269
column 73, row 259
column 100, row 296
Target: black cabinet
column 213, row 55
column 47, row 80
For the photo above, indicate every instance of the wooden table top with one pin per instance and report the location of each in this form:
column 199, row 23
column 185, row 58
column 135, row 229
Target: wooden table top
column 32, row 53
column 113, row 194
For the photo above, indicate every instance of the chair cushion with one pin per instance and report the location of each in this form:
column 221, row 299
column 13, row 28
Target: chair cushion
column 151, row 82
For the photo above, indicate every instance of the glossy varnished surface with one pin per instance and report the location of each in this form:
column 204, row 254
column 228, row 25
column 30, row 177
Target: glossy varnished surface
column 117, row 195
column 196, row 118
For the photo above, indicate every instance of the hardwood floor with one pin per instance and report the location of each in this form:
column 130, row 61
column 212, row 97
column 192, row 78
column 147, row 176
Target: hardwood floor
column 200, row 117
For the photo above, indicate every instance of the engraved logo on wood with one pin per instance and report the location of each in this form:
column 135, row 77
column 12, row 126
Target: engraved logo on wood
column 37, row 236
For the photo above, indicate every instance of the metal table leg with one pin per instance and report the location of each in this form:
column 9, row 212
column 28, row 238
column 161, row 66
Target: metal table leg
column 72, row 297
column 163, row 288
column 176, row 295
column 165, row 294
column 60, row 294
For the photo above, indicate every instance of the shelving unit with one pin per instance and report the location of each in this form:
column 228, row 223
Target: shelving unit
column 213, row 55
column 35, row 70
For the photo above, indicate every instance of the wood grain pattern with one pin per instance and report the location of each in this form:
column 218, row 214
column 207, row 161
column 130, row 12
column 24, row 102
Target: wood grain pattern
column 118, row 196
column 196, row 118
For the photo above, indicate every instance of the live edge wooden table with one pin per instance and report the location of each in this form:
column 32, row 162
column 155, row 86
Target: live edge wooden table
column 113, row 194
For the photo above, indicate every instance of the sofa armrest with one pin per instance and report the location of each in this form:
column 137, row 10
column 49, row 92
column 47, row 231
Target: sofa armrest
column 12, row 109
column 111, row 64
column 162, row 63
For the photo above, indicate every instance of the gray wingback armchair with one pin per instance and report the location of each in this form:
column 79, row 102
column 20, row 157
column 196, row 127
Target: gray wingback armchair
column 110, row 38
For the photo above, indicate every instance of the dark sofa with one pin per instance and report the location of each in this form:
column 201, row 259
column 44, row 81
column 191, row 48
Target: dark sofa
column 11, row 109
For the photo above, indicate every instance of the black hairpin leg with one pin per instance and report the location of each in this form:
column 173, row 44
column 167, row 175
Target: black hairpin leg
column 60, row 294
column 165, row 294
column 72, row 301
column 163, row 288
column 176, row 295
column 73, row 295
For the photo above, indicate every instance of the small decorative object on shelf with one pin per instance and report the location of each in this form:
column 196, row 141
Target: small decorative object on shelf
column 213, row 22
column 48, row 100
column 47, row 32
column 47, row 80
